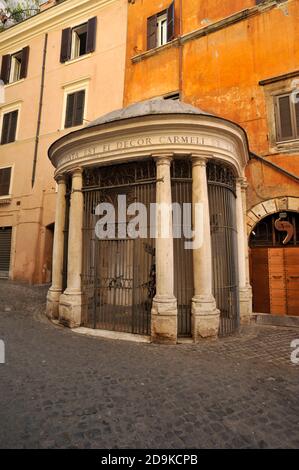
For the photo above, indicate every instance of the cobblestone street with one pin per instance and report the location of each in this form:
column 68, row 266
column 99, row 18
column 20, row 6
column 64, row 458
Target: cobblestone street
column 62, row 390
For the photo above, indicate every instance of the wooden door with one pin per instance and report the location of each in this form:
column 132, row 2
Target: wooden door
column 260, row 280
column 291, row 257
column 277, row 281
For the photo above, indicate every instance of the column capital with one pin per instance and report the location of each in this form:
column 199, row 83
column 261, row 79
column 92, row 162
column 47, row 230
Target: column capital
column 163, row 158
column 60, row 179
column 242, row 181
column 199, row 160
column 78, row 171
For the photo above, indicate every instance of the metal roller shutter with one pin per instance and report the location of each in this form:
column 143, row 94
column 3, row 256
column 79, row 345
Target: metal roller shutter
column 5, row 246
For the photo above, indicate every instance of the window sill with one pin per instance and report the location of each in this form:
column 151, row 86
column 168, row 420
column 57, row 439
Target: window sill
column 8, row 85
column 72, row 128
column 5, row 200
column 156, row 50
column 290, row 146
column 8, row 143
column 77, row 59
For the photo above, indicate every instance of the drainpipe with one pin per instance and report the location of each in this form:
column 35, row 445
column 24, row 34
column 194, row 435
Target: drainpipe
column 40, row 107
column 181, row 51
column 274, row 166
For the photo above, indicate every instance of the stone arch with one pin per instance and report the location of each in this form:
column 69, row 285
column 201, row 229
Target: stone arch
column 268, row 207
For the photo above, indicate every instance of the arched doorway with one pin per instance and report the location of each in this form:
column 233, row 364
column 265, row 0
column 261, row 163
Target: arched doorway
column 274, row 264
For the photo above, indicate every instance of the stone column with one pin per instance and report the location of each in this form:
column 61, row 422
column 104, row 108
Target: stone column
column 164, row 309
column 205, row 316
column 55, row 290
column 70, row 304
column 245, row 291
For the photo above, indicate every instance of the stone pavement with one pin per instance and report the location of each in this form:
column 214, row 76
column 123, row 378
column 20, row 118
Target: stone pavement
column 59, row 389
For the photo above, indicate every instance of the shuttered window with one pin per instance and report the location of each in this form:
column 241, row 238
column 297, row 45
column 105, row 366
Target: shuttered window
column 9, row 127
column 287, row 117
column 161, row 28
column 78, row 41
column 5, row 248
column 75, row 109
column 15, row 66
column 5, row 175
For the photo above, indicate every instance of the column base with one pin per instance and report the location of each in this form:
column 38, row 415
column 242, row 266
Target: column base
column 70, row 309
column 205, row 318
column 164, row 325
column 52, row 309
column 245, row 295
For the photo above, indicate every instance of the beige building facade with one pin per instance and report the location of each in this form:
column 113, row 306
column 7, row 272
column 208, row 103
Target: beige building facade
column 56, row 68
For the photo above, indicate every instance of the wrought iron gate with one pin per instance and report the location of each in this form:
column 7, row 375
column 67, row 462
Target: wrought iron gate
column 222, row 202
column 118, row 274
column 181, row 182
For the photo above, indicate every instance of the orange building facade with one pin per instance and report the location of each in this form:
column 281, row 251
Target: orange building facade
column 238, row 60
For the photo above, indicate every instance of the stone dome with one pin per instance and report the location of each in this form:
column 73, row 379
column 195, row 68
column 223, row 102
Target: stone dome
column 148, row 108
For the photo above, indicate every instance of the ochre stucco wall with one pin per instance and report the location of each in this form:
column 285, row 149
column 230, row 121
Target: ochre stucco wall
column 220, row 73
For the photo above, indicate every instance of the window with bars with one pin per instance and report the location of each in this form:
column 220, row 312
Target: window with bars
column 14, row 66
column 75, row 104
column 160, row 28
column 287, row 117
column 78, row 41
column 5, row 177
column 9, row 127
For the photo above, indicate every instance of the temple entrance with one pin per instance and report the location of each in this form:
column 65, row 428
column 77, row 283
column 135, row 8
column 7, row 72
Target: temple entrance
column 274, row 261
column 222, row 202
column 119, row 272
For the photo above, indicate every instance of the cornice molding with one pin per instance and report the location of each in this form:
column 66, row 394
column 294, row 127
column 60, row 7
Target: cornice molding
column 45, row 21
column 127, row 140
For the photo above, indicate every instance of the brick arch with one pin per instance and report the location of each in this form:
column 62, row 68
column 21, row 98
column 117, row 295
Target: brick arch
column 268, row 207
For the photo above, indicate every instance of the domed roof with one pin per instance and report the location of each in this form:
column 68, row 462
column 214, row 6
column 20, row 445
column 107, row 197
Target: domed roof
column 147, row 108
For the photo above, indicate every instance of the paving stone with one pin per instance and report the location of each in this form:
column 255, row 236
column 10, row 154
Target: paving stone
column 63, row 390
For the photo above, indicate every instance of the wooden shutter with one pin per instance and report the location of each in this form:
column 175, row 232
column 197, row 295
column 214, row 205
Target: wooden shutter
column 5, row 68
column 13, row 126
column 91, row 34
column 152, row 32
column 66, row 42
column 79, row 108
column 170, row 22
column 5, row 248
column 5, row 128
column 24, row 62
column 5, row 174
column 284, row 117
column 69, row 110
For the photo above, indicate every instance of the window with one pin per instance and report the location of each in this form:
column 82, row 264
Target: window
column 75, row 109
column 5, row 178
column 287, row 116
column 78, row 41
column 160, row 28
column 14, row 66
column 9, row 127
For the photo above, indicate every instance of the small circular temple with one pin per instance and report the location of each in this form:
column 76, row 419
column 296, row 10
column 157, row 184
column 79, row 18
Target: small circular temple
column 192, row 282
